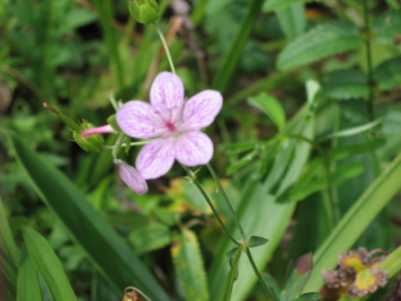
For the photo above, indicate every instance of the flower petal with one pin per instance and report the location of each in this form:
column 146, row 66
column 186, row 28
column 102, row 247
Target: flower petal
column 138, row 119
column 132, row 178
column 194, row 148
column 156, row 158
column 201, row 109
column 167, row 95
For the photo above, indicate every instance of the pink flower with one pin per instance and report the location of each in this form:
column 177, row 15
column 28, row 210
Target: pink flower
column 132, row 178
column 174, row 125
column 105, row 129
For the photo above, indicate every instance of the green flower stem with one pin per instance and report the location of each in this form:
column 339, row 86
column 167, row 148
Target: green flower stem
column 194, row 179
column 241, row 229
column 166, row 49
column 392, row 264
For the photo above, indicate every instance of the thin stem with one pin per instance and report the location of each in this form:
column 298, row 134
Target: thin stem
column 370, row 105
column 210, row 203
column 241, row 229
column 226, row 199
column 166, row 49
column 116, row 148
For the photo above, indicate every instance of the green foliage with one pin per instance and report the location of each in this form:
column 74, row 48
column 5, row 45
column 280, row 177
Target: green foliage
column 28, row 286
column 318, row 43
column 85, row 225
column 189, row 267
column 304, row 170
column 48, row 265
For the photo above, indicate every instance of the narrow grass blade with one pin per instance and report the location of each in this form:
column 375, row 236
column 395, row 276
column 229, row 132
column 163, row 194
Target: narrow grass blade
column 230, row 61
column 48, row 265
column 28, row 286
column 104, row 247
column 7, row 242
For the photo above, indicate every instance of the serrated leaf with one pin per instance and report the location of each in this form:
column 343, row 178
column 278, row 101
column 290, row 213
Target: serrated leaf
column 49, row 266
column 318, row 43
column 234, row 257
column 104, row 247
column 256, row 241
column 189, row 267
column 28, row 285
column 346, row 84
column 271, row 107
column 388, row 75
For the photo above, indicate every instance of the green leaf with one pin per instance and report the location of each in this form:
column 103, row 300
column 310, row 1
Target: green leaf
column 104, row 247
column 49, row 266
column 318, row 43
column 309, row 297
column 7, row 241
column 189, row 267
column 388, row 75
column 232, row 58
column 271, row 107
column 271, row 5
column 356, row 130
column 355, row 222
column 150, row 236
column 234, row 257
column 28, row 285
column 256, row 241
column 292, row 20
column 345, row 84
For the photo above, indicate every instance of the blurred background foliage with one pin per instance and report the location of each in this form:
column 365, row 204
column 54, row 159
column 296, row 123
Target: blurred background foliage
column 293, row 161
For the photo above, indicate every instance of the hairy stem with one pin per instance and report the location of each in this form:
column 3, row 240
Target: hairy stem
column 166, row 49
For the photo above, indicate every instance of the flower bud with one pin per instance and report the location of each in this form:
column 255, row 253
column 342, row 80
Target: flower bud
column 144, row 11
column 89, row 143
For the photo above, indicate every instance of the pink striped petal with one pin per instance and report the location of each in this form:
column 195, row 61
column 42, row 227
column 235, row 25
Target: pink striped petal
column 167, row 95
column 132, row 178
column 156, row 158
column 201, row 109
column 138, row 119
column 105, row 129
column 193, row 149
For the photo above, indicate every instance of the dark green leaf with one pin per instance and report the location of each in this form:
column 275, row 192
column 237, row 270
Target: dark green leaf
column 318, row 43
column 49, row 266
column 256, row 241
column 104, row 247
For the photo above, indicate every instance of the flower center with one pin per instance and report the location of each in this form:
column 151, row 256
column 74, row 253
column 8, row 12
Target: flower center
column 170, row 126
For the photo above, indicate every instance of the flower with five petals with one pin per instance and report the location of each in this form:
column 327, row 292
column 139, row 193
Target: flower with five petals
column 172, row 124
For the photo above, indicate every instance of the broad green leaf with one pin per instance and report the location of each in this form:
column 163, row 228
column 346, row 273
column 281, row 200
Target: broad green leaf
column 345, row 84
column 7, row 241
column 355, row 222
column 318, row 43
column 150, row 236
column 49, row 266
column 292, row 20
column 104, row 247
column 189, row 267
column 271, row 107
column 28, row 285
column 388, row 75
column 271, row 5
